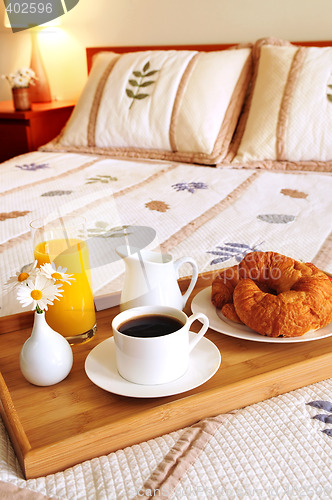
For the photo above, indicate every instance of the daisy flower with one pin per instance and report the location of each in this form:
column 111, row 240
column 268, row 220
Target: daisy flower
column 23, row 77
column 40, row 291
column 27, row 72
column 20, row 81
column 22, row 276
column 56, row 273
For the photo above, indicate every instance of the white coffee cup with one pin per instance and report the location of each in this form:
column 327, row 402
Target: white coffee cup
column 154, row 359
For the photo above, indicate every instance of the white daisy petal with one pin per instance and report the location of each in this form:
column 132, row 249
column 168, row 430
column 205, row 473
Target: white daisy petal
column 40, row 291
column 56, row 273
column 27, row 273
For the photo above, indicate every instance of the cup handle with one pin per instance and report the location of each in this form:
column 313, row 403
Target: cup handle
column 205, row 320
column 187, row 260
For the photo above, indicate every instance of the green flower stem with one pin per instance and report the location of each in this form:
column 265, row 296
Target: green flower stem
column 38, row 310
column 137, row 91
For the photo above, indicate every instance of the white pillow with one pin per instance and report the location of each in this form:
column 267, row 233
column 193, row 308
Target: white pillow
column 180, row 105
column 290, row 114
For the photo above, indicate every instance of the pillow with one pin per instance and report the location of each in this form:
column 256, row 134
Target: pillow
column 289, row 113
column 165, row 104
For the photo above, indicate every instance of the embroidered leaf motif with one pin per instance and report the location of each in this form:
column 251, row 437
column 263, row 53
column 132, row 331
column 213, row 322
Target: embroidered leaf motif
column 327, row 419
column 56, row 193
column 140, row 83
column 322, row 405
column 32, row 166
column 191, row 187
column 13, row 215
column 105, row 179
column 159, row 206
column 103, row 230
column 293, row 193
column 230, row 250
column 148, row 83
column 140, row 96
column 322, row 417
column 276, row 218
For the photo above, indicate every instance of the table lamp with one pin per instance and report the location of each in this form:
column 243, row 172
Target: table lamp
column 40, row 92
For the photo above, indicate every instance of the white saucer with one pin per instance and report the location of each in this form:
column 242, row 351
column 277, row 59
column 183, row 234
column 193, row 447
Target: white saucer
column 202, row 303
column 101, row 369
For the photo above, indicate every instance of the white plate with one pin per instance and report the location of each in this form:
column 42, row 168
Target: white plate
column 202, row 303
column 101, row 369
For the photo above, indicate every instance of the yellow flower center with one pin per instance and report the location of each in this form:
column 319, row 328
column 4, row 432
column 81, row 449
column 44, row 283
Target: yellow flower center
column 56, row 276
column 22, row 277
column 36, row 294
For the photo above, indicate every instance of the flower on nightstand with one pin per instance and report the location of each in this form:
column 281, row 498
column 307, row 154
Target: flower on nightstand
column 22, row 78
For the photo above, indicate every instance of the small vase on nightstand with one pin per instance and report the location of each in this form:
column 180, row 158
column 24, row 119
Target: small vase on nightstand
column 21, row 98
column 46, row 357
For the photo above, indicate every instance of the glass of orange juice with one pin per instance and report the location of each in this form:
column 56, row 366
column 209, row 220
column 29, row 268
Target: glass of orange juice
column 62, row 241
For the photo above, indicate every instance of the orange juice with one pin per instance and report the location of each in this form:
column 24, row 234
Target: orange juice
column 74, row 314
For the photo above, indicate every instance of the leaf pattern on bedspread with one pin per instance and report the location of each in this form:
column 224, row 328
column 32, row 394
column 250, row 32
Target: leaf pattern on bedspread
column 294, row 193
column 13, row 215
column 104, row 230
column 159, row 206
column 104, row 179
column 276, row 218
column 191, row 187
column 32, row 167
column 232, row 250
column 323, row 417
column 56, row 193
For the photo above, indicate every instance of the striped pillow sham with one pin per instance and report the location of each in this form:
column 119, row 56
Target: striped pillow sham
column 287, row 120
column 173, row 105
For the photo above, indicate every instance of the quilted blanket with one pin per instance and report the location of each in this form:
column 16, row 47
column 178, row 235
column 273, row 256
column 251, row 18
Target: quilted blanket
column 279, row 448
column 215, row 215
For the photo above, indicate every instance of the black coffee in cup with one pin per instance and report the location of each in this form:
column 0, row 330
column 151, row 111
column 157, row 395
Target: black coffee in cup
column 150, row 325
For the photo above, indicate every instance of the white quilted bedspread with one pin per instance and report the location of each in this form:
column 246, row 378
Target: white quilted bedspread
column 215, row 215
column 279, row 448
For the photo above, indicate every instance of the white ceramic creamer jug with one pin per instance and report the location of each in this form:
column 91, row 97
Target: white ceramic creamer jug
column 151, row 279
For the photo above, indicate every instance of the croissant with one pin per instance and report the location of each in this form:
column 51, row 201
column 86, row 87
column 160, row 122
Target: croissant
column 275, row 295
column 222, row 292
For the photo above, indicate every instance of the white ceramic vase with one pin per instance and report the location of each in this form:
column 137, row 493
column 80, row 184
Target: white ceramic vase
column 46, row 357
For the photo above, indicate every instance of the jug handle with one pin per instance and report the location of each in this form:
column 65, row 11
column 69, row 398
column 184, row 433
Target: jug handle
column 177, row 264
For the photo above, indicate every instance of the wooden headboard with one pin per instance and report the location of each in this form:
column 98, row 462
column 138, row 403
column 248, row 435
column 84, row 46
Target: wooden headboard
column 91, row 51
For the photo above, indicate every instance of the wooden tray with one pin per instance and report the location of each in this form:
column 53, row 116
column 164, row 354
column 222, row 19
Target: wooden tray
column 56, row 427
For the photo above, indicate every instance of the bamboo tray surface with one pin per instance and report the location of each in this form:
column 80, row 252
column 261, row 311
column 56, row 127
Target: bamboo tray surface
column 56, row 427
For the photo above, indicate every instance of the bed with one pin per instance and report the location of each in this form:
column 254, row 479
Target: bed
column 222, row 150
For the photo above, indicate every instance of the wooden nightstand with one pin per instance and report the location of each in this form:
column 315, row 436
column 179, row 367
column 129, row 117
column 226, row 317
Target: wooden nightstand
column 24, row 131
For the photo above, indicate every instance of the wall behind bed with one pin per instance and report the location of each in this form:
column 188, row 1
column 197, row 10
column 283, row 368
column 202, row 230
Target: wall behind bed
column 143, row 22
